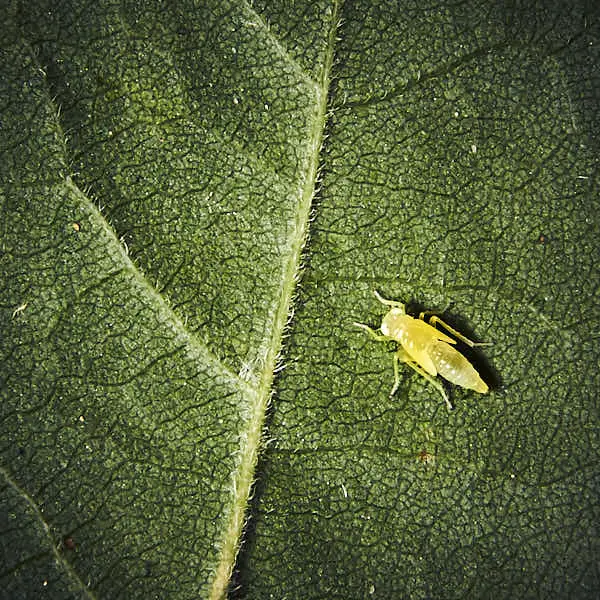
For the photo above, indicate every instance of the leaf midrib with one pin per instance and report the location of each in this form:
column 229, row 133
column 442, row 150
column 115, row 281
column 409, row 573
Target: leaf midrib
column 251, row 437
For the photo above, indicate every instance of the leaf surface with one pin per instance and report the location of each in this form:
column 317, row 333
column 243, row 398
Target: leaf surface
column 162, row 169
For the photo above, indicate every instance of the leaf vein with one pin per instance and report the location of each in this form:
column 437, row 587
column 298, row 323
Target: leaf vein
column 189, row 339
column 251, row 438
column 54, row 549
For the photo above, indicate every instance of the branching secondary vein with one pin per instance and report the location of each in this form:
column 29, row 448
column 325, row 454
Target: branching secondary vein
column 181, row 331
column 280, row 48
column 57, row 557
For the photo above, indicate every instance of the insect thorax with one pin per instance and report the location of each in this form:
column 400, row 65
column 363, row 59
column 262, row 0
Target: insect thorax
column 394, row 324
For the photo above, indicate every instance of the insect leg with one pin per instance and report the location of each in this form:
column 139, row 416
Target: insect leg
column 433, row 312
column 435, row 319
column 396, row 374
column 401, row 356
column 372, row 332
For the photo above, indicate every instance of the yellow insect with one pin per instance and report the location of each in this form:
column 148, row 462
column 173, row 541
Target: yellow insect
column 426, row 349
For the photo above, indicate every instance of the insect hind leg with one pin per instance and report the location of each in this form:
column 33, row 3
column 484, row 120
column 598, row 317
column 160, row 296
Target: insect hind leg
column 434, row 319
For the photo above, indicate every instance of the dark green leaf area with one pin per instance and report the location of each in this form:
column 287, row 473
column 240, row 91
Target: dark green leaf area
column 466, row 185
column 159, row 165
column 117, row 423
column 114, row 420
column 32, row 573
column 396, row 495
column 191, row 129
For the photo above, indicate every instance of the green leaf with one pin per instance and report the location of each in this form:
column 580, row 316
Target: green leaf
column 197, row 202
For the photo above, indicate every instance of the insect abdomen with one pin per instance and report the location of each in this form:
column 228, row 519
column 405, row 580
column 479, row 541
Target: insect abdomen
column 454, row 367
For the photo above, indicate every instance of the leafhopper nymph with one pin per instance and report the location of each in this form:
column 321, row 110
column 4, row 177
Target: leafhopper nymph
column 426, row 349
